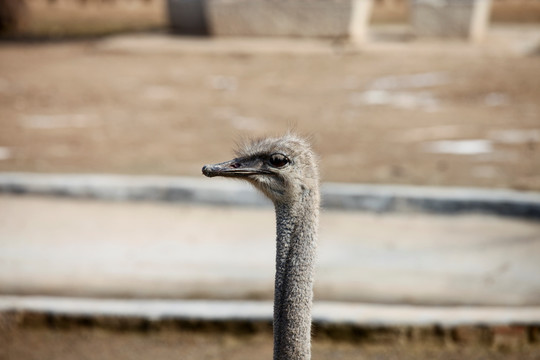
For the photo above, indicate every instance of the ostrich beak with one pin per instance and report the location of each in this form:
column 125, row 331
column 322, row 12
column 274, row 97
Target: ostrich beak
column 233, row 168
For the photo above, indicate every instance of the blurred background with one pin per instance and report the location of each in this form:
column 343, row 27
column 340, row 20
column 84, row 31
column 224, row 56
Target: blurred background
column 107, row 104
column 99, row 105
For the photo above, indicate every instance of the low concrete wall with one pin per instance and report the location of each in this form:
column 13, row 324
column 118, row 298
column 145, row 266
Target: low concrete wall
column 323, row 18
column 507, row 328
column 300, row 18
column 329, row 312
column 450, row 18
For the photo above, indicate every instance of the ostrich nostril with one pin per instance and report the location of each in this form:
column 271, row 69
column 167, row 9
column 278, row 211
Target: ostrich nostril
column 235, row 165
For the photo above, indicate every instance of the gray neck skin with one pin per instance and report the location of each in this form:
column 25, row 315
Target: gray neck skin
column 297, row 226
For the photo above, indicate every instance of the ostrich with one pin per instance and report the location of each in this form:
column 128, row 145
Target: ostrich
column 285, row 170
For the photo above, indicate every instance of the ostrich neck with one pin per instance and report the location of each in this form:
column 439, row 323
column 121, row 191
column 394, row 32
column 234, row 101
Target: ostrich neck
column 297, row 225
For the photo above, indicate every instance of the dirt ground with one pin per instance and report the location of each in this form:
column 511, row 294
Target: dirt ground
column 407, row 112
column 45, row 344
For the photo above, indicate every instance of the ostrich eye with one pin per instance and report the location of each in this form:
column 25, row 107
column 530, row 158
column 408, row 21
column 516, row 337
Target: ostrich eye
column 278, row 160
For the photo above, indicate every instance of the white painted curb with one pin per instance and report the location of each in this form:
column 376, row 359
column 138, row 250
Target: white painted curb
column 323, row 312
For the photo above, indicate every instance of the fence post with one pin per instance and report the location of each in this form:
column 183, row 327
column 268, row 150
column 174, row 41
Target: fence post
column 480, row 20
column 360, row 15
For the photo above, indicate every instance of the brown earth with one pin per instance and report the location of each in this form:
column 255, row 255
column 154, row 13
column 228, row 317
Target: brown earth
column 82, row 107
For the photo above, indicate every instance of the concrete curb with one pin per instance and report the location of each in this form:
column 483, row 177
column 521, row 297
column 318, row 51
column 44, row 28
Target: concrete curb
column 375, row 198
column 370, row 315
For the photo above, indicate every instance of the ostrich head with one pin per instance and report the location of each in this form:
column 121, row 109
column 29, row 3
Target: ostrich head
column 283, row 168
